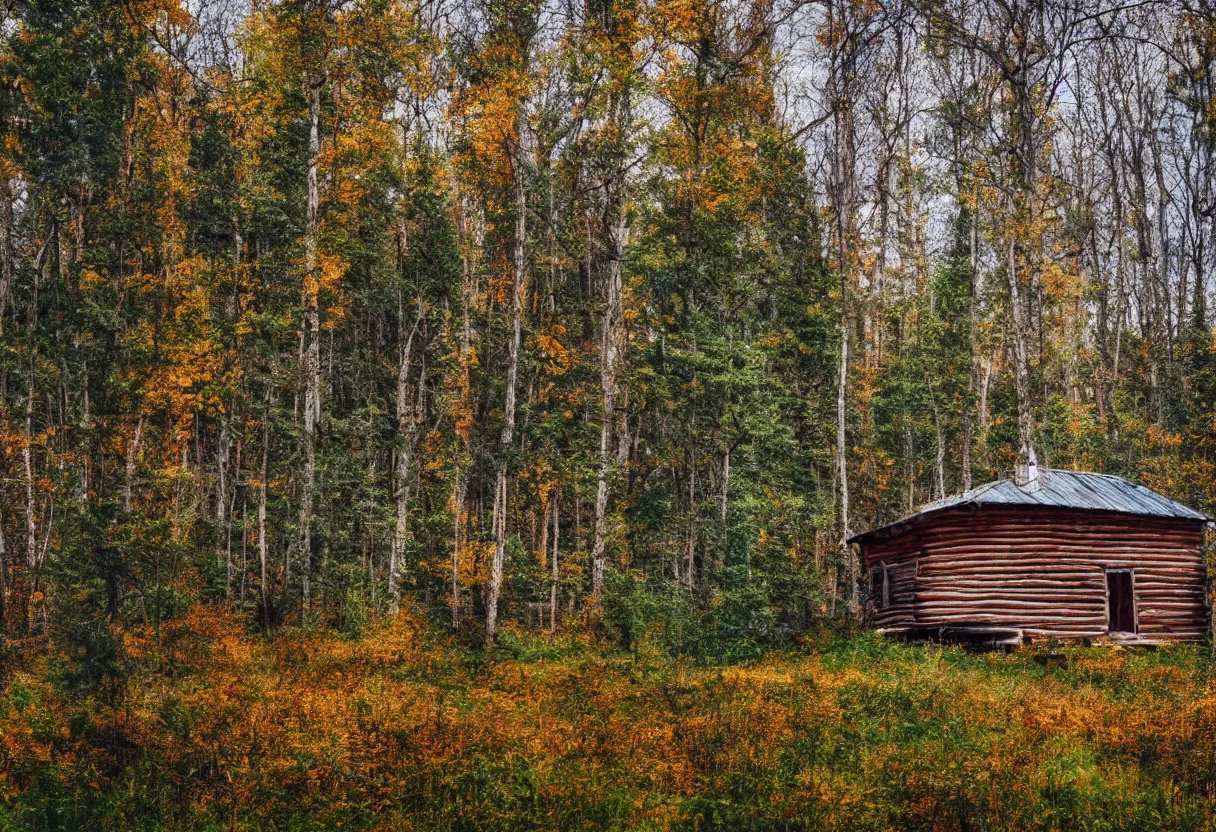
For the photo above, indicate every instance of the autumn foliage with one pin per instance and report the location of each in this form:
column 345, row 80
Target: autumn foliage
column 403, row 730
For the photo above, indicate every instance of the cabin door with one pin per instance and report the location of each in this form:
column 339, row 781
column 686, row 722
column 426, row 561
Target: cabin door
column 1121, row 605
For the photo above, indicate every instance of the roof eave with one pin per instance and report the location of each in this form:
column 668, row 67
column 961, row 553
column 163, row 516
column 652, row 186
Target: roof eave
column 909, row 522
column 913, row 520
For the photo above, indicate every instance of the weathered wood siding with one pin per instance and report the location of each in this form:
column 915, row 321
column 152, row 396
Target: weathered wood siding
column 1043, row 571
column 901, row 593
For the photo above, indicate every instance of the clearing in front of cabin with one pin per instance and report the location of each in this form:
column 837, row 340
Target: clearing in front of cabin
column 402, row 728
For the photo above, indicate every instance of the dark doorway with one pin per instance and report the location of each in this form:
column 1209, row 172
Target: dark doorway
column 1120, row 604
column 878, row 588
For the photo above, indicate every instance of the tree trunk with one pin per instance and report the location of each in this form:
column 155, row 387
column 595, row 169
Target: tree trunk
column 311, row 350
column 223, row 555
column 132, row 463
column 508, row 428
column 263, row 548
column 553, row 565
column 609, row 353
column 6, row 247
column 690, row 546
column 461, row 473
column 842, row 76
column 939, row 454
column 1021, row 360
column 407, row 421
column 458, row 498
column 724, row 497
column 940, row 459
column 842, row 466
column 244, row 540
column 723, row 508
column 31, row 529
column 972, row 348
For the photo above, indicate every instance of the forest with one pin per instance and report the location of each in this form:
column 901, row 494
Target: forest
column 385, row 380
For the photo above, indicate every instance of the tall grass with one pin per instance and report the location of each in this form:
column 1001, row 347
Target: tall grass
column 402, row 729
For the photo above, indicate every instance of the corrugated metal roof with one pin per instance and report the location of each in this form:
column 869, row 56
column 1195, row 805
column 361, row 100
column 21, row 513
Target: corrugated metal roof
column 1062, row 489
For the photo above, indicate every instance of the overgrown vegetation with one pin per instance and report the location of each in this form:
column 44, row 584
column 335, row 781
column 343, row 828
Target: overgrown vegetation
column 404, row 729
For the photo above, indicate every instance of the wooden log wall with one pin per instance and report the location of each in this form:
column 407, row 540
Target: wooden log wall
column 901, row 592
column 1042, row 571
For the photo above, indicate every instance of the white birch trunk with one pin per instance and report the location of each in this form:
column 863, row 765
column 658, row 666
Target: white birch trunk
column 407, row 428
column 609, row 354
column 223, row 555
column 1021, row 360
column 553, row 575
column 263, row 548
column 311, row 351
column 508, row 429
column 842, row 466
column 31, row 528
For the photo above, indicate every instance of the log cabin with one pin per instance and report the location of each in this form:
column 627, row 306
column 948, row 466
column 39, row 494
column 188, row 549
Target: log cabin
column 1062, row 555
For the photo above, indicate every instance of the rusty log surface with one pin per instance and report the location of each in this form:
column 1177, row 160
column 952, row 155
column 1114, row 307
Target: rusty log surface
column 1043, row 570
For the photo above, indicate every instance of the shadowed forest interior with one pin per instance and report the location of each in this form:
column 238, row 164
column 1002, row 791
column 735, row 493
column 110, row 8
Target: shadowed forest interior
column 579, row 335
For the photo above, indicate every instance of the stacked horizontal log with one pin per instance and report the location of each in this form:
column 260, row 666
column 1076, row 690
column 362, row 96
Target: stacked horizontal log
column 1043, row 571
column 901, row 593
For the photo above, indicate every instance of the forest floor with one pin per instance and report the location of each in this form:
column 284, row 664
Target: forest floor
column 402, row 729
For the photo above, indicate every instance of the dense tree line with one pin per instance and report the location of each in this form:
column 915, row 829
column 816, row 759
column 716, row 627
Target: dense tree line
column 524, row 309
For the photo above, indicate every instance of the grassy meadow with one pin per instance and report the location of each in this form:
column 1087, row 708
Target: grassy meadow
column 401, row 728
